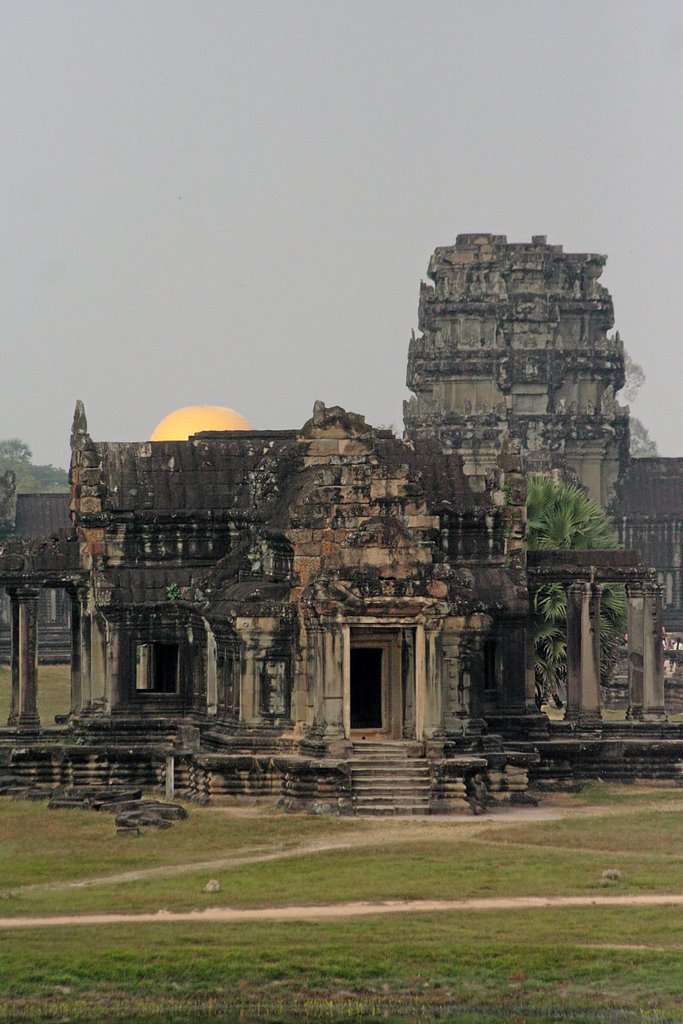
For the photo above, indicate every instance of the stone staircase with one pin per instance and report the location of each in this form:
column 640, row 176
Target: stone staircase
column 387, row 781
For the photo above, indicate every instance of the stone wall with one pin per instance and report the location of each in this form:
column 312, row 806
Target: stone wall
column 649, row 516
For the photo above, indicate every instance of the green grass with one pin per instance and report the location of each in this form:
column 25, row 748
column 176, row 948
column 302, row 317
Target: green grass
column 39, row 846
column 446, row 860
column 537, row 965
column 436, row 870
column 54, row 692
column 479, row 961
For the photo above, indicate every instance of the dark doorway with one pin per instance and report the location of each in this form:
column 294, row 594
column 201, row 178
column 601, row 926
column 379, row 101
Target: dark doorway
column 165, row 668
column 157, row 668
column 366, row 688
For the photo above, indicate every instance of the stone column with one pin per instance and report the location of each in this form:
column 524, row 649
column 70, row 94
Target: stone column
column 346, row 680
column 84, row 641
column 420, row 680
column 98, row 659
column 211, row 673
column 653, row 654
column 583, row 654
column 636, row 636
column 333, row 680
column 113, row 666
column 76, row 686
column 249, row 675
column 28, row 720
column 14, row 639
column 472, row 681
column 454, row 708
column 433, row 717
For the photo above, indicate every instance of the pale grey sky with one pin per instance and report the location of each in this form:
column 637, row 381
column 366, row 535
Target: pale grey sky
column 233, row 203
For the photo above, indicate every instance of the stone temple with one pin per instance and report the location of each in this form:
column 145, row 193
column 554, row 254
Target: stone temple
column 339, row 619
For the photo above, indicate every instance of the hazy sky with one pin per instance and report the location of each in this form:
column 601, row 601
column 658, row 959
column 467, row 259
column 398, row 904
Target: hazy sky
column 233, row 203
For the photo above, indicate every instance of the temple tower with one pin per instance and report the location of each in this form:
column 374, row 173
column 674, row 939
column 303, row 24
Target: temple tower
column 514, row 344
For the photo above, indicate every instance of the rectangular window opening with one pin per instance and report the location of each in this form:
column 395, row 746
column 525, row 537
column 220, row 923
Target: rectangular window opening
column 156, row 669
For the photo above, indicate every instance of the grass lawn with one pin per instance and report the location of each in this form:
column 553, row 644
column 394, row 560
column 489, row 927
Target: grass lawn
column 416, row 967
column 592, row 964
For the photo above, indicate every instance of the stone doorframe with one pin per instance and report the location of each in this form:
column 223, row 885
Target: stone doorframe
column 386, row 636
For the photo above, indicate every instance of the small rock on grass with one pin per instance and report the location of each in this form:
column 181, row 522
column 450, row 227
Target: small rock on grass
column 213, row 885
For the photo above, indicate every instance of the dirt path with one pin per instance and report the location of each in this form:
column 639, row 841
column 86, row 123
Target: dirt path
column 226, row 915
column 386, row 835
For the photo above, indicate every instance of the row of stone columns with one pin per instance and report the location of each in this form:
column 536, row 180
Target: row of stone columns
column 645, row 655
column 23, row 714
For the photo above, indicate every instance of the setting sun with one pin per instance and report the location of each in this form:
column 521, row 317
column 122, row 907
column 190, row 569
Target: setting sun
column 192, row 419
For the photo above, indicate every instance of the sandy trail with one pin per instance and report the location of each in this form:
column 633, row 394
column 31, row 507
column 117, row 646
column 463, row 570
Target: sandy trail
column 388, row 834
column 227, row 915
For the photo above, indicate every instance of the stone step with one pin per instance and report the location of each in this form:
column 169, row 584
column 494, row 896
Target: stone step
column 394, row 752
column 391, row 795
column 369, row 774
column 403, row 744
column 388, row 781
column 373, row 810
column 380, row 775
column 373, row 807
column 385, row 756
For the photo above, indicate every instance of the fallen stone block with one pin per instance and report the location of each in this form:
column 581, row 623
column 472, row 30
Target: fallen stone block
column 142, row 818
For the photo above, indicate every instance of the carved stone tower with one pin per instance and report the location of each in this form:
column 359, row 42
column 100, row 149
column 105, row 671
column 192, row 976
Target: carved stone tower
column 514, row 345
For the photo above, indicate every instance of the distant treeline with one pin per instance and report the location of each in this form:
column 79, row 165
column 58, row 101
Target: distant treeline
column 17, row 456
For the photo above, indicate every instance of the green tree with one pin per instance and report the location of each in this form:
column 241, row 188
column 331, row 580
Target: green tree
column 561, row 515
column 15, row 450
column 16, row 455
column 641, row 444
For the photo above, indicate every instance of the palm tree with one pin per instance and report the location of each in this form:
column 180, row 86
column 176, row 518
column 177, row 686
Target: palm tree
column 561, row 515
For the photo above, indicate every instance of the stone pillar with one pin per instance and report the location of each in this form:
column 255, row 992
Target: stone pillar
column 433, row 717
column 333, row 679
column 84, row 641
column 583, row 654
column 653, row 654
column 211, row 673
column 98, row 666
column 454, row 708
column 14, row 639
column 113, row 666
column 636, row 636
column 474, row 682
column 420, row 680
column 76, row 685
column 249, row 675
column 28, row 720
column 346, row 680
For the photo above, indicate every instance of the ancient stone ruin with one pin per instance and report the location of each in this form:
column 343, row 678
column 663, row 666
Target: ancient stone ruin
column 338, row 619
column 514, row 344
